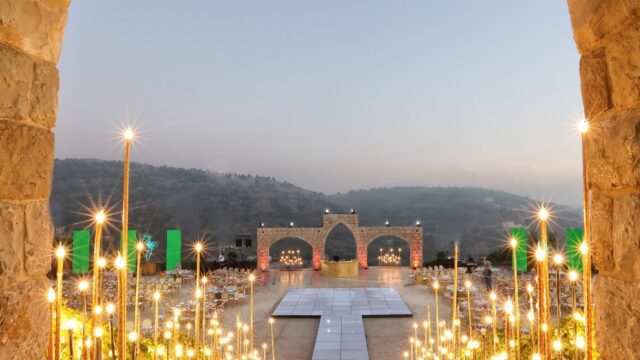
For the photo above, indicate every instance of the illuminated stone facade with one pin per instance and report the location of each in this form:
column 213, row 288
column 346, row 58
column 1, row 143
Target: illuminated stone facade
column 317, row 237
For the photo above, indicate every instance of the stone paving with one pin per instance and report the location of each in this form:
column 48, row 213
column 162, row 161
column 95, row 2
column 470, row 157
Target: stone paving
column 341, row 333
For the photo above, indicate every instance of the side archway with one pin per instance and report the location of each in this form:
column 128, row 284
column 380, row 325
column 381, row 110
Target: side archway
column 292, row 243
column 388, row 244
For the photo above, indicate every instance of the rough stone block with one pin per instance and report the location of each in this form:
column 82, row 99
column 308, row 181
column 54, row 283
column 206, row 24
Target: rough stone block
column 39, row 238
column 618, row 305
column 23, row 320
column 12, row 232
column 28, row 88
column 26, row 161
column 626, row 236
column 593, row 20
column 33, row 26
column 613, row 150
column 623, row 62
column 601, row 232
column 595, row 84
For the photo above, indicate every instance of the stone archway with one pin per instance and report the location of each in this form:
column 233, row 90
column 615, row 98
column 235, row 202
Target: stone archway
column 390, row 238
column 317, row 237
column 306, row 250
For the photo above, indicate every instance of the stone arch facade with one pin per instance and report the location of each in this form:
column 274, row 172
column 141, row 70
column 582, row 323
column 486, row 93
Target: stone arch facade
column 317, row 237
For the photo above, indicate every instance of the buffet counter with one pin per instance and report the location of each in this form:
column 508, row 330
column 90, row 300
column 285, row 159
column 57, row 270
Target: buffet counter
column 340, row 268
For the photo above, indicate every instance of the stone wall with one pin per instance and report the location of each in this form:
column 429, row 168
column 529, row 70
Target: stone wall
column 607, row 34
column 30, row 41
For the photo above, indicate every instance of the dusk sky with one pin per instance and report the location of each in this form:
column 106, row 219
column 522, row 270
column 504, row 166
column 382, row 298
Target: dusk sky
column 331, row 95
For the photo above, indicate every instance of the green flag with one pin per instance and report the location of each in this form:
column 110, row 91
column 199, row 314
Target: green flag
column 131, row 249
column 520, row 234
column 80, row 260
column 574, row 257
column 174, row 249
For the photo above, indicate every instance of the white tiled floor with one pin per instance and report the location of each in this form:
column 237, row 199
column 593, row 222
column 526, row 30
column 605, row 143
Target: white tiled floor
column 341, row 332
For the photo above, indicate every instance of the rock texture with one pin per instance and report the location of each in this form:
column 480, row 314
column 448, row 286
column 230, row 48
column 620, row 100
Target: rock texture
column 607, row 33
column 30, row 40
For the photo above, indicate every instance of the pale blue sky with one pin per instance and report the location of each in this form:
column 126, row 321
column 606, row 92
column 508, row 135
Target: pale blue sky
column 331, row 95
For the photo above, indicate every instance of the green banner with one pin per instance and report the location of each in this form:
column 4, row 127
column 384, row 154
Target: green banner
column 522, row 260
column 80, row 260
column 174, row 249
column 574, row 239
column 131, row 250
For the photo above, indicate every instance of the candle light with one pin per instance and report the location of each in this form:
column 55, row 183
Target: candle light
column 273, row 343
column 60, row 254
column 204, row 309
column 70, row 325
column 531, row 314
column 110, row 310
column 573, row 278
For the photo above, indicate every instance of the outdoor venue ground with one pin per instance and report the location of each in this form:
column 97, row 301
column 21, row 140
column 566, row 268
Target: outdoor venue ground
column 387, row 338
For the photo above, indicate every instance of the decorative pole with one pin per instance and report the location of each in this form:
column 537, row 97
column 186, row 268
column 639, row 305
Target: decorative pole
column 467, row 284
column 128, row 136
column 583, row 127
column 252, row 280
column 121, row 268
column 273, row 342
column 573, row 278
column 531, row 317
column 546, row 324
column 198, row 249
column 156, row 298
column 51, row 298
column 110, row 310
column 454, row 307
column 83, row 286
column 508, row 311
column 516, row 298
column 558, row 259
column 60, row 254
column 136, row 311
column 99, row 219
column 436, row 286
column 494, row 315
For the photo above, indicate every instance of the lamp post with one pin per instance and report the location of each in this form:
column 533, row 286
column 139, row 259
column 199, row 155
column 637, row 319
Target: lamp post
column 273, row 342
column 51, row 299
column 436, row 286
column 110, row 310
column 99, row 220
column 60, row 254
column 83, row 286
column 573, row 278
column 516, row 298
column 136, row 316
column 128, row 136
column 467, row 285
column 493, row 299
column 156, row 299
column 558, row 259
column 252, row 280
column 454, row 307
column 583, row 127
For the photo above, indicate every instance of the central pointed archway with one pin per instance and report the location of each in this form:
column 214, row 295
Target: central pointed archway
column 341, row 242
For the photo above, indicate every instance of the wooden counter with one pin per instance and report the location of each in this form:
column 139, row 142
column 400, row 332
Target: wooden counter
column 340, row 268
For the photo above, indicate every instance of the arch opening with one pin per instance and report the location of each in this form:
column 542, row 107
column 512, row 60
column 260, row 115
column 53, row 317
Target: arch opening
column 388, row 245
column 340, row 242
column 279, row 253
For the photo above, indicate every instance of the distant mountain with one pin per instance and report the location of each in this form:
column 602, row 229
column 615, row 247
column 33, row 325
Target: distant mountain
column 223, row 205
